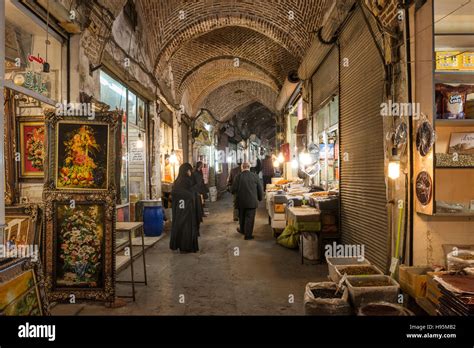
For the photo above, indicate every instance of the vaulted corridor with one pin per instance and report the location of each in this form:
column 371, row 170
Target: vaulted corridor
column 262, row 280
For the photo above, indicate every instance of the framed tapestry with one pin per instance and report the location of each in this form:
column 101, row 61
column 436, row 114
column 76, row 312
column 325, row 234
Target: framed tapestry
column 79, row 253
column 31, row 140
column 22, row 290
column 81, row 152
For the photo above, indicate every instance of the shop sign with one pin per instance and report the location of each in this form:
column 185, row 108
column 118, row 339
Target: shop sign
column 31, row 80
column 136, row 154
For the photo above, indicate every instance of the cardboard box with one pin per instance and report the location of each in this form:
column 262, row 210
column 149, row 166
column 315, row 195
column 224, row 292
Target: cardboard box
column 413, row 279
column 279, row 208
column 448, row 60
column 467, row 61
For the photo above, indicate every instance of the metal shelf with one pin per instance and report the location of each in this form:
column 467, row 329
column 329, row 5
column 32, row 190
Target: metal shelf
column 454, row 123
column 455, row 76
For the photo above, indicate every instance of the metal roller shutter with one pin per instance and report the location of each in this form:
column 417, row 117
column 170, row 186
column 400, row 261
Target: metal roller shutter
column 363, row 190
column 326, row 79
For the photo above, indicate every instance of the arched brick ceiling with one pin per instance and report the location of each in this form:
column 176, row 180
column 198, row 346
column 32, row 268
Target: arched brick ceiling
column 233, row 42
column 255, row 118
column 213, row 75
column 226, row 100
column 174, row 22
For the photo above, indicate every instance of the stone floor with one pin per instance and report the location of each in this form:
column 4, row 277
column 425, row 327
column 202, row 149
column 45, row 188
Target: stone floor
column 260, row 280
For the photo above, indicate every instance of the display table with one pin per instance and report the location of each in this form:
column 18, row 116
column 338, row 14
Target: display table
column 131, row 229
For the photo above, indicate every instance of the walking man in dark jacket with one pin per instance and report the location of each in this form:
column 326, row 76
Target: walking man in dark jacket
column 230, row 181
column 249, row 192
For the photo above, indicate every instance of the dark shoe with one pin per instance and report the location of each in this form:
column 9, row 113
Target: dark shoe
column 236, row 219
column 248, row 238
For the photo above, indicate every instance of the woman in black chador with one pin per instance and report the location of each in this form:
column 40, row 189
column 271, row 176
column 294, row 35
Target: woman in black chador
column 186, row 216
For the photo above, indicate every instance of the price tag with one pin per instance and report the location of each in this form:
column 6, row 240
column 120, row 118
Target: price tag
column 393, row 265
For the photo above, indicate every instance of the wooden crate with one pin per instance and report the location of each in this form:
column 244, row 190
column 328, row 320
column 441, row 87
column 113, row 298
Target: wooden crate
column 413, row 279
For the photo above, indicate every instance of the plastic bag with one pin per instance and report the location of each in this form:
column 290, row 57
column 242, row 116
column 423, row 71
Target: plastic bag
column 338, row 305
column 310, row 246
column 460, row 259
column 289, row 237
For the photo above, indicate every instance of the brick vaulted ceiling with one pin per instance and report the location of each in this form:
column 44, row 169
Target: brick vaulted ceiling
column 195, row 44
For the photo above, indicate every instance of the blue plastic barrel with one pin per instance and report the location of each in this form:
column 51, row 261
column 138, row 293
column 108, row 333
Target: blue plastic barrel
column 153, row 220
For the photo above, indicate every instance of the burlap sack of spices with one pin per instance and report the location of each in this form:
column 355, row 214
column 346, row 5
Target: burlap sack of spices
column 321, row 299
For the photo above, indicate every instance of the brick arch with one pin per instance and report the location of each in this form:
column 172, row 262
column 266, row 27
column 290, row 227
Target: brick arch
column 215, row 74
column 224, row 101
column 267, row 17
column 226, row 63
column 233, row 42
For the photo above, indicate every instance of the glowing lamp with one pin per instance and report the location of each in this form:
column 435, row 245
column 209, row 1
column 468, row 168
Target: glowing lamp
column 173, row 158
column 394, row 170
column 281, row 158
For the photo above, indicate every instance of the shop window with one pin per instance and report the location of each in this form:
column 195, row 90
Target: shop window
column 27, row 52
column 326, row 134
column 133, row 180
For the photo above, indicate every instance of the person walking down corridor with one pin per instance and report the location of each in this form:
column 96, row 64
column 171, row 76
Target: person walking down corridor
column 233, row 174
column 267, row 172
column 185, row 212
column 249, row 192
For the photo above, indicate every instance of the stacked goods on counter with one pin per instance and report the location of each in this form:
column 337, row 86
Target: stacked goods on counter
column 304, row 218
column 457, row 294
column 433, row 291
column 328, row 203
column 279, row 203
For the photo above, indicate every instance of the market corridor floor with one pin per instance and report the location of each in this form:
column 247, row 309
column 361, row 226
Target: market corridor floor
column 228, row 276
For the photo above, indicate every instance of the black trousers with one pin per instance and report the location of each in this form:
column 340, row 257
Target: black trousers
column 267, row 179
column 247, row 220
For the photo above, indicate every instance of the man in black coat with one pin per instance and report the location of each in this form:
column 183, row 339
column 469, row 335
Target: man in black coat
column 249, row 192
column 230, row 181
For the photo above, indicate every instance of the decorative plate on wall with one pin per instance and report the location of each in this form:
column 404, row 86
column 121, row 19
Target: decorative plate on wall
column 425, row 138
column 401, row 135
column 424, row 187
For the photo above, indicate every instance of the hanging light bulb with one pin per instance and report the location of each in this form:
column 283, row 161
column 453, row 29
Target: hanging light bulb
column 394, row 170
column 294, row 163
column 276, row 163
column 281, row 158
column 139, row 141
column 173, row 158
column 394, row 165
column 305, row 158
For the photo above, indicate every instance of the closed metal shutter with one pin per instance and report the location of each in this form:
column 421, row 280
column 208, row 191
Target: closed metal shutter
column 363, row 190
column 325, row 80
